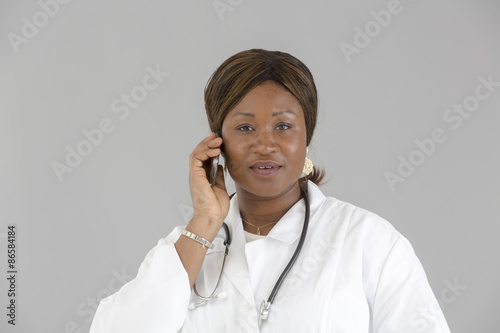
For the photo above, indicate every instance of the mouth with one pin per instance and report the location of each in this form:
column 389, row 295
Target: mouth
column 265, row 168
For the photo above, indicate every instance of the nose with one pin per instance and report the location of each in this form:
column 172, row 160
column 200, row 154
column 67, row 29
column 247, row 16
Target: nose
column 264, row 143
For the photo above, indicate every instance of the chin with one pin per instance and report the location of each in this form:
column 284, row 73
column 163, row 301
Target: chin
column 265, row 188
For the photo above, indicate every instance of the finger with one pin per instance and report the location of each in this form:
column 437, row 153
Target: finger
column 216, row 142
column 211, row 136
column 206, row 145
column 202, row 158
column 208, row 142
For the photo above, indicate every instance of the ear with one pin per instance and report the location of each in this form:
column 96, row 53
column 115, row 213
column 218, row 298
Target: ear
column 222, row 145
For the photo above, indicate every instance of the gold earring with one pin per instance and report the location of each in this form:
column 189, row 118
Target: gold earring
column 308, row 165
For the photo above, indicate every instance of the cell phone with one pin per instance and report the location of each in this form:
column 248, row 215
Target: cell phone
column 213, row 167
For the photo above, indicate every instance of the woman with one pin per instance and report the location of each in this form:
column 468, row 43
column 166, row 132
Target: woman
column 352, row 271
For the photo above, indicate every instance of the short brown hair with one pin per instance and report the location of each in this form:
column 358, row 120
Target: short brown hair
column 243, row 71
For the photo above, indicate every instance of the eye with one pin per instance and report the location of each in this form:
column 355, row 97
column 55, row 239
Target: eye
column 244, row 126
column 285, row 125
column 247, row 128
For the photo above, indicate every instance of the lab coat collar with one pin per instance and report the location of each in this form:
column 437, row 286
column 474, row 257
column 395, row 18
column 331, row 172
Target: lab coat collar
column 287, row 230
column 289, row 227
column 236, row 267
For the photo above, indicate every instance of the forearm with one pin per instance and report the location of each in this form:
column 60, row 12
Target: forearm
column 191, row 253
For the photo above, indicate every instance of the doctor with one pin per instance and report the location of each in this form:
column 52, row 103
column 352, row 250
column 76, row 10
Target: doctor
column 297, row 260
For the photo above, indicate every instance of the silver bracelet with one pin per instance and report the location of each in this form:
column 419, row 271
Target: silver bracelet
column 198, row 239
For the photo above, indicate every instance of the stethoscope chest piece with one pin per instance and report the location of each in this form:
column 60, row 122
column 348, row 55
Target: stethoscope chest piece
column 264, row 311
column 265, row 306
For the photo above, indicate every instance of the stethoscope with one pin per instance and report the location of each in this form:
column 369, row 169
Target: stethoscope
column 265, row 306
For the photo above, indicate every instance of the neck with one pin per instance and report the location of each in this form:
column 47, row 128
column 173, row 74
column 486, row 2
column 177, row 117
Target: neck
column 260, row 211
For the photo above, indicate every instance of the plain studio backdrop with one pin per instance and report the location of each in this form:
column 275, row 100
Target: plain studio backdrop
column 102, row 103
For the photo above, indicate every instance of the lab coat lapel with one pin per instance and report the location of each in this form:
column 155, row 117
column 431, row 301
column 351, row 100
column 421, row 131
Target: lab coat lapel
column 289, row 228
column 236, row 268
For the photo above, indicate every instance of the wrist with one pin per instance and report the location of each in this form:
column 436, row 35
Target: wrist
column 204, row 227
column 202, row 241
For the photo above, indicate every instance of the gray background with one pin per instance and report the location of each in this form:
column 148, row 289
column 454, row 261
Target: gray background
column 81, row 238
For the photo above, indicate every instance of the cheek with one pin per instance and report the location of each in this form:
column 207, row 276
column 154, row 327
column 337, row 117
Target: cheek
column 296, row 146
column 234, row 157
column 296, row 152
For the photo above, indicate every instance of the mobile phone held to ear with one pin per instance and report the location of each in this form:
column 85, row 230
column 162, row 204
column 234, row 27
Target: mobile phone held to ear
column 213, row 167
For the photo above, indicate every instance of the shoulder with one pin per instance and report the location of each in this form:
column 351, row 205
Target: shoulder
column 356, row 217
column 367, row 238
column 360, row 227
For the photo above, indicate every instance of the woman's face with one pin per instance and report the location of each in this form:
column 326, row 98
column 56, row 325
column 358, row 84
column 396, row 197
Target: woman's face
column 267, row 126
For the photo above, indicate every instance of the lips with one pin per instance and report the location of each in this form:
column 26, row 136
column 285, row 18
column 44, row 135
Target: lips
column 262, row 165
column 265, row 168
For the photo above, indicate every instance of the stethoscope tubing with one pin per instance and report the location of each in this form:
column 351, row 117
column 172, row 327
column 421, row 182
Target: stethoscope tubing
column 305, row 195
column 266, row 305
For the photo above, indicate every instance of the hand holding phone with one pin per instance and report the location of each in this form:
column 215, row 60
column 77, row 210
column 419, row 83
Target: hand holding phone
column 210, row 202
column 206, row 182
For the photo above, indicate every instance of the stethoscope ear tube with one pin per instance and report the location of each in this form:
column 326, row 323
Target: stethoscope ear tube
column 265, row 305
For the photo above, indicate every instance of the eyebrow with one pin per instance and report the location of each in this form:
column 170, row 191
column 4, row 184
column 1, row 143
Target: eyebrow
column 251, row 115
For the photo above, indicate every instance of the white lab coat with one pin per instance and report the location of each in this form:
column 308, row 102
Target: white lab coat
column 355, row 273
